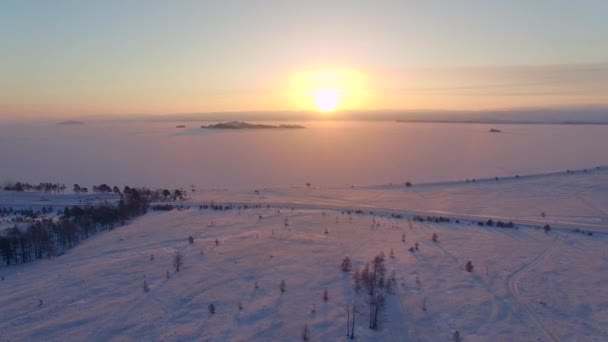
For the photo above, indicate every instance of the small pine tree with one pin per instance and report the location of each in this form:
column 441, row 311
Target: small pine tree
column 456, row 337
column 305, row 333
column 146, row 287
column 346, row 265
column 168, row 275
column 416, row 245
column 326, row 231
column 211, row 309
column 435, row 237
column 178, row 261
column 190, row 239
column 325, row 295
column 411, row 249
column 403, row 238
column 392, row 254
column 151, row 257
column 240, row 306
column 217, row 242
column 469, row 266
column 283, row 286
column 255, row 286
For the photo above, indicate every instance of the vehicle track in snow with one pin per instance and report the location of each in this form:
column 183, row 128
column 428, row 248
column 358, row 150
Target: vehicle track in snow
column 513, row 280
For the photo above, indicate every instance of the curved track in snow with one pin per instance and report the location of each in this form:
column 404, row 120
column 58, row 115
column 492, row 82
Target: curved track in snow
column 513, row 280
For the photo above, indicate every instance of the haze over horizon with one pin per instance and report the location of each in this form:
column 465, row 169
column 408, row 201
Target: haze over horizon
column 67, row 59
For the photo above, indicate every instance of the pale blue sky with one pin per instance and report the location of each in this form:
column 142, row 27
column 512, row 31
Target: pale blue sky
column 110, row 56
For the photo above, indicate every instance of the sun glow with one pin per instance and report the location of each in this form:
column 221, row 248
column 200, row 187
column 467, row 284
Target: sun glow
column 327, row 90
column 327, row 100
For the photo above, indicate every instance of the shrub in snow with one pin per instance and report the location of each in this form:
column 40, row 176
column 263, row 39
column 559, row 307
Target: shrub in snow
column 346, row 265
column 211, row 309
column 416, row 245
column 305, row 333
column 151, row 257
column 217, row 242
column 456, row 337
column 240, row 306
column 435, row 237
column 167, row 274
column 178, row 261
column 325, row 295
column 190, row 239
column 547, row 228
column 469, row 266
column 357, row 280
column 146, row 287
column 255, row 286
column 392, row 254
column 283, row 286
column 403, row 238
column 411, row 249
column 326, row 231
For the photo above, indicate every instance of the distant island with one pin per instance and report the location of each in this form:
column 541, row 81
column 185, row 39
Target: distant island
column 494, row 130
column 246, row 125
column 180, row 126
column 70, row 122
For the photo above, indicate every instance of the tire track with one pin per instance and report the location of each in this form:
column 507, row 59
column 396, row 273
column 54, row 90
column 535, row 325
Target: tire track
column 513, row 280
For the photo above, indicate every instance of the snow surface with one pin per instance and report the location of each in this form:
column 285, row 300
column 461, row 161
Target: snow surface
column 527, row 285
column 156, row 155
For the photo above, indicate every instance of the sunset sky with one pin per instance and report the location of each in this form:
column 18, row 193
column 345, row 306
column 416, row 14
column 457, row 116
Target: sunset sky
column 79, row 58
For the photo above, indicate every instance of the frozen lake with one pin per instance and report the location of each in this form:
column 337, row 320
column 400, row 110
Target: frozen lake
column 325, row 153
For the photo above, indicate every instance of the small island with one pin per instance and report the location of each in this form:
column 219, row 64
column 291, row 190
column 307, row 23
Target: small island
column 246, row 125
column 70, row 122
column 180, row 126
column 494, row 130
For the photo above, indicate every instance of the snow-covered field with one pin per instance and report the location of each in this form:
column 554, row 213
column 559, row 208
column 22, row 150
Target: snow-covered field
column 527, row 285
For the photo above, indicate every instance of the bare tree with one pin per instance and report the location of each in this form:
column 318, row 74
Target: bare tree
column 178, row 261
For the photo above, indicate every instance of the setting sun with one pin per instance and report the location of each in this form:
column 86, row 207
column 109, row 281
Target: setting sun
column 327, row 100
column 327, row 90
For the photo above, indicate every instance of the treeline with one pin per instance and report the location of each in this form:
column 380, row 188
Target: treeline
column 29, row 213
column 46, row 187
column 42, row 187
column 158, row 195
column 46, row 238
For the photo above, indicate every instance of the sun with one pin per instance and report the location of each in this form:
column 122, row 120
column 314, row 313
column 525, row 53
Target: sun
column 327, row 100
column 328, row 90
